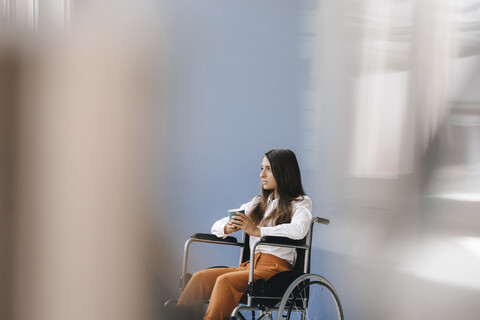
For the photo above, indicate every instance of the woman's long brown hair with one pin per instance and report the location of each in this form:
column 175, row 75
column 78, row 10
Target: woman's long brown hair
column 286, row 172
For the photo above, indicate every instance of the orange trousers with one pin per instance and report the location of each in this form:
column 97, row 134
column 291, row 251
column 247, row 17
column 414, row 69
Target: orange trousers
column 225, row 286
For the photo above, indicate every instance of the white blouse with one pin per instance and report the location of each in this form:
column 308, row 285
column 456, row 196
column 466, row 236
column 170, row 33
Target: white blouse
column 296, row 229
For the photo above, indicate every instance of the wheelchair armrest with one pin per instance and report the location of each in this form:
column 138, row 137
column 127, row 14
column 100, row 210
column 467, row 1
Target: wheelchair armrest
column 212, row 237
column 282, row 241
column 205, row 238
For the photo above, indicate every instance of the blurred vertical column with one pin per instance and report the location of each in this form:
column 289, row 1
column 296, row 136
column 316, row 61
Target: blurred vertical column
column 75, row 231
column 9, row 94
column 381, row 76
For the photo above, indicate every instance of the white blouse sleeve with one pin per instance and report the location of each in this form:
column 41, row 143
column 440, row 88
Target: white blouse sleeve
column 218, row 227
column 298, row 228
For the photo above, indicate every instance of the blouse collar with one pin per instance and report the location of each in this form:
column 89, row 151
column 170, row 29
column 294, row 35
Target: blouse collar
column 270, row 198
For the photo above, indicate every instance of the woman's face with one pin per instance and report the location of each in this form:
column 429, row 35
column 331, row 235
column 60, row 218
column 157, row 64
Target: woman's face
column 268, row 181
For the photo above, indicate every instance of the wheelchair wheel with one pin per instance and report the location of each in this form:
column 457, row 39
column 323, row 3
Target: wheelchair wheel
column 310, row 296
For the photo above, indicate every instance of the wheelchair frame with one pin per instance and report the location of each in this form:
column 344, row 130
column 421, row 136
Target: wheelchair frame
column 303, row 244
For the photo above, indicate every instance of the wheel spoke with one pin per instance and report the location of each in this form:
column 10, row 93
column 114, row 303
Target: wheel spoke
column 310, row 297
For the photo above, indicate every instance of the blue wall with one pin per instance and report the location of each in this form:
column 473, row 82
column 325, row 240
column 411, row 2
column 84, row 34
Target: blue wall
column 233, row 94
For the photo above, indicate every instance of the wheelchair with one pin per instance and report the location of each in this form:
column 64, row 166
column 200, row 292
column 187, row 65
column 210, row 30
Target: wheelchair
column 295, row 294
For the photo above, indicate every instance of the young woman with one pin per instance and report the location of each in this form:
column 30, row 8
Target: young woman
column 282, row 209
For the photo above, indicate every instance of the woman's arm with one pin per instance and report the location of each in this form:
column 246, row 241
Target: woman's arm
column 298, row 227
column 218, row 228
column 223, row 227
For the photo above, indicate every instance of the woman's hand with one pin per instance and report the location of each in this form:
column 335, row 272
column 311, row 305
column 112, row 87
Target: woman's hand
column 230, row 228
column 242, row 221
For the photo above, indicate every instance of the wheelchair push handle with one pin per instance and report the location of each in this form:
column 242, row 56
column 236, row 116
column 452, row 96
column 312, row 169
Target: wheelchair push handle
column 321, row 220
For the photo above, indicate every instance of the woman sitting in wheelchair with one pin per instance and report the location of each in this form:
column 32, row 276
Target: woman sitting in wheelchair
column 282, row 209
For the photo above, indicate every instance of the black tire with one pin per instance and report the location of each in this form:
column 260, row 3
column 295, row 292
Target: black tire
column 309, row 297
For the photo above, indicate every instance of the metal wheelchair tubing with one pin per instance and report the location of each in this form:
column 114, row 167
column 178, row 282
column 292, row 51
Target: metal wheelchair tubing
column 306, row 247
column 252, row 262
column 186, row 249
